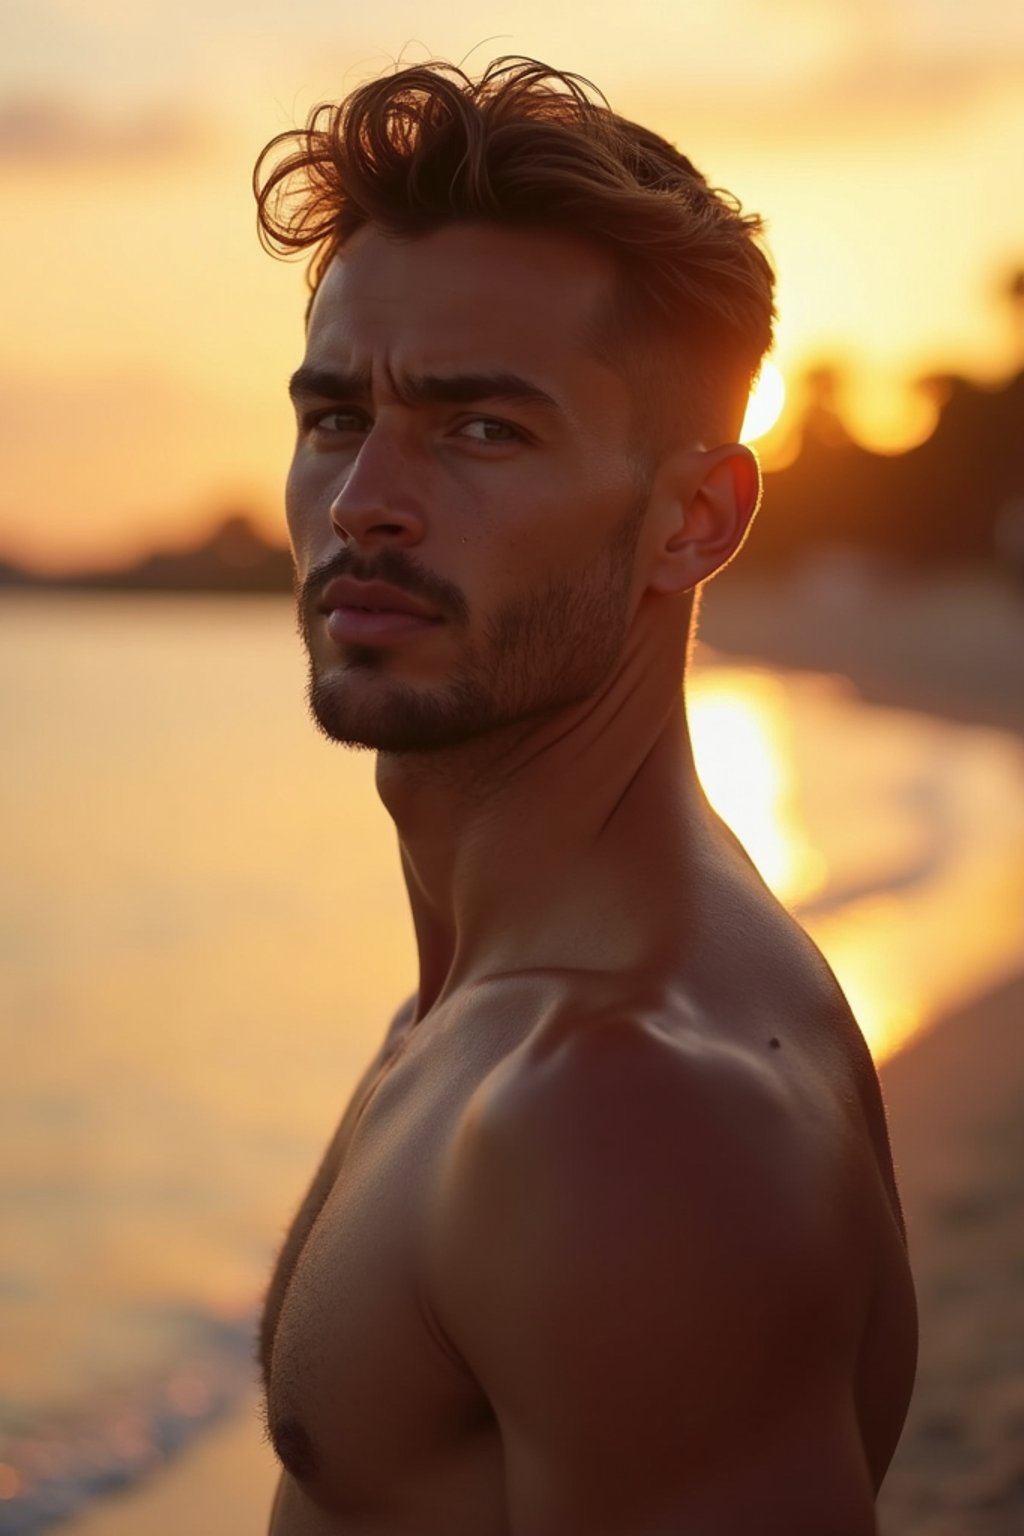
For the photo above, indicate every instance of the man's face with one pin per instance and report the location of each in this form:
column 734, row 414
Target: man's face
column 459, row 444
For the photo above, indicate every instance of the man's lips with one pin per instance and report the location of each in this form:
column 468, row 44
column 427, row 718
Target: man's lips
column 374, row 596
column 371, row 612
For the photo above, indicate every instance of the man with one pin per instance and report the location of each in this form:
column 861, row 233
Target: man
column 607, row 1242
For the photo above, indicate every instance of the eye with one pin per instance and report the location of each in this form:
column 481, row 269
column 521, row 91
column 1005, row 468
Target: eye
column 484, row 429
column 341, row 420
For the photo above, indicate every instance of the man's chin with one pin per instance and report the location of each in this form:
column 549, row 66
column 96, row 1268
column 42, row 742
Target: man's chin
column 403, row 721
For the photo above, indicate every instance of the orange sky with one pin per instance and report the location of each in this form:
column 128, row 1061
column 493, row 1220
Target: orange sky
column 147, row 338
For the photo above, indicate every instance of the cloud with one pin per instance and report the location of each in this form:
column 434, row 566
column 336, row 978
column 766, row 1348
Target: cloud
column 42, row 131
column 897, row 85
column 855, row 100
column 917, row 56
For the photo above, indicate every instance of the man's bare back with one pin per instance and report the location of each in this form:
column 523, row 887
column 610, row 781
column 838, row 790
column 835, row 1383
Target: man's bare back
column 380, row 1422
column 607, row 1242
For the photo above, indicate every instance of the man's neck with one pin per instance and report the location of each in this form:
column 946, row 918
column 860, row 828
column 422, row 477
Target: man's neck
column 570, row 841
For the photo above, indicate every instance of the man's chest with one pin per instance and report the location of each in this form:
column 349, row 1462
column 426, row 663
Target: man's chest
column 363, row 1394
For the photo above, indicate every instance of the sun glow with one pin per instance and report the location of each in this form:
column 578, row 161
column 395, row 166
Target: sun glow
column 876, row 828
column 738, row 728
column 745, row 760
column 765, row 404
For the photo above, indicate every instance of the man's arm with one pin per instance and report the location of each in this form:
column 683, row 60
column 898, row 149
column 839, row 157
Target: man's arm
column 644, row 1259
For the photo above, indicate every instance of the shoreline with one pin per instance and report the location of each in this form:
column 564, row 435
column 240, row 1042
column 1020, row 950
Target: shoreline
column 221, row 1484
column 948, row 645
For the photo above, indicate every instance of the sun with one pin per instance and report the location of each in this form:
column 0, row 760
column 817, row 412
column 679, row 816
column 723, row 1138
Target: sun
column 765, row 404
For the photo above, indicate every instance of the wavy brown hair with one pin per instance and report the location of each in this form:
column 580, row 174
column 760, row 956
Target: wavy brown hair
column 527, row 146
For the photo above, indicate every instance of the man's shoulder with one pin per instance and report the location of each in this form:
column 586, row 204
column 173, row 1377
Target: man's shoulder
column 607, row 1075
column 617, row 1125
column 653, row 1207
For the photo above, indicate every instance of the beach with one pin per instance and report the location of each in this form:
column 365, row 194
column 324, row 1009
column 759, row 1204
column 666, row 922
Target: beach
column 956, row 1112
column 222, row 1485
column 952, row 647
column 955, row 1098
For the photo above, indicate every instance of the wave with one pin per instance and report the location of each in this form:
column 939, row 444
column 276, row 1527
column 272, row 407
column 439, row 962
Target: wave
column 56, row 1465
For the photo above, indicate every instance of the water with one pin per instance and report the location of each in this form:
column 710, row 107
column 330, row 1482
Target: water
column 203, row 931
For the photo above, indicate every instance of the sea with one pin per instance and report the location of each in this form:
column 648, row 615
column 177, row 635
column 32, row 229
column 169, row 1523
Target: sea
column 203, row 933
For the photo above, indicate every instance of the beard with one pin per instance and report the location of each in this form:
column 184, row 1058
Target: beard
column 544, row 651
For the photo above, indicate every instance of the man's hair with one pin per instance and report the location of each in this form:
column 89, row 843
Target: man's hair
column 529, row 147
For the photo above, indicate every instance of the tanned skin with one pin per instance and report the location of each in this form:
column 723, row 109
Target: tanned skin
column 607, row 1242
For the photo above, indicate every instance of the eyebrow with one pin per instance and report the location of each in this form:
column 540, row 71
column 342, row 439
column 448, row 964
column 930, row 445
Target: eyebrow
column 422, row 389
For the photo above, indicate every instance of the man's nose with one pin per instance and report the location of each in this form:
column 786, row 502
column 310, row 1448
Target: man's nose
column 378, row 501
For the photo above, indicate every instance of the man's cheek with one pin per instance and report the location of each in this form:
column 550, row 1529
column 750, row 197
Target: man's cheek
column 307, row 508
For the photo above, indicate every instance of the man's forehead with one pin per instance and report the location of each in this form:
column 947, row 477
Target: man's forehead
column 470, row 289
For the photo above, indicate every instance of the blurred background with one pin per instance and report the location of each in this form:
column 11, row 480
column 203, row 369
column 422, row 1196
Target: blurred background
column 202, row 926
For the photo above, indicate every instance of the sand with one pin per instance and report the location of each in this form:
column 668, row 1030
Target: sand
column 950, row 645
column 947, row 644
column 956, row 1113
column 955, row 1099
column 221, row 1485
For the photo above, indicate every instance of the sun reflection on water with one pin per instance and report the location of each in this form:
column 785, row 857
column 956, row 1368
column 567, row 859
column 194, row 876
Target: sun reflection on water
column 897, row 841
column 742, row 740
column 738, row 722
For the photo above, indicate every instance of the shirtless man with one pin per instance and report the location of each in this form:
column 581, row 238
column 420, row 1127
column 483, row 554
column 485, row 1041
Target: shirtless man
column 607, row 1242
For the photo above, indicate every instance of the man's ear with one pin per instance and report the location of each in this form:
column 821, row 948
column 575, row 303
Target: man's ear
column 704, row 503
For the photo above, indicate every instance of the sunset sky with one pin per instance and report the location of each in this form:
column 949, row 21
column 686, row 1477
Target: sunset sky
column 146, row 338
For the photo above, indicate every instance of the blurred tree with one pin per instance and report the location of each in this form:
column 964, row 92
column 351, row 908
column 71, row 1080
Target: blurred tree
column 1014, row 294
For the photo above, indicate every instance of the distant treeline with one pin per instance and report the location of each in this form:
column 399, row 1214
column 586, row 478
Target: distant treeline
column 235, row 558
column 958, row 497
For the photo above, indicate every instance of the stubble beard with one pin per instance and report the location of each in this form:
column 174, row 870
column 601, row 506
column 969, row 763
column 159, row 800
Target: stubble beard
column 540, row 653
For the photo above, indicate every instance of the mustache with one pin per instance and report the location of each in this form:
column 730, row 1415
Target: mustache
column 393, row 566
